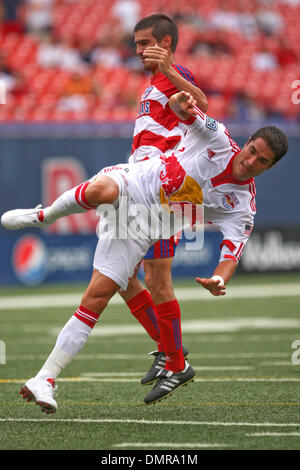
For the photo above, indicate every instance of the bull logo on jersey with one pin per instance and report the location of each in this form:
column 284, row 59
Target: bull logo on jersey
column 172, row 175
column 178, row 188
column 230, row 201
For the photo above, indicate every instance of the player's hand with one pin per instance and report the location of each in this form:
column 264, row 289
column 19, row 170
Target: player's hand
column 212, row 285
column 182, row 104
column 159, row 56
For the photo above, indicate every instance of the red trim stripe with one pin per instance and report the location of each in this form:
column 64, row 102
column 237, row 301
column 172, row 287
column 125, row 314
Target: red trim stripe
column 229, row 245
column 233, row 258
column 41, row 215
column 252, row 190
column 158, row 141
column 77, row 197
column 81, row 197
column 86, row 316
column 240, row 250
column 199, row 112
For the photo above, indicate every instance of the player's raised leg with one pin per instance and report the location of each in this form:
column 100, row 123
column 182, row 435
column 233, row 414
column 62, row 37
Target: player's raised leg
column 88, row 195
column 70, row 341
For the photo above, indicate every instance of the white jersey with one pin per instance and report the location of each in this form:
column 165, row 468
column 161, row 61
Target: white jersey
column 199, row 172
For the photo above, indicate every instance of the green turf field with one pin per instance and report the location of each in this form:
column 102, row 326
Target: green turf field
column 246, row 395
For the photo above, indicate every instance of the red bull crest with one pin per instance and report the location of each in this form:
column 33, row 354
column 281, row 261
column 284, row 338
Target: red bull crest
column 230, row 201
column 172, row 176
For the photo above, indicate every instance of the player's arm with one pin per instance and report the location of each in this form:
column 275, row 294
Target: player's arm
column 182, row 104
column 216, row 285
column 161, row 57
column 236, row 233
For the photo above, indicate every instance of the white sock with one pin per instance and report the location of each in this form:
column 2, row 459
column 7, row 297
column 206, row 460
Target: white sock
column 70, row 202
column 70, row 341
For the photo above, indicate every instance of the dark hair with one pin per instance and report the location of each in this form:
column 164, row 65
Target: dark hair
column 275, row 139
column 162, row 26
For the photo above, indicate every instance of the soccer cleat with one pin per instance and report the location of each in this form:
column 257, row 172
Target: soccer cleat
column 158, row 364
column 42, row 391
column 23, row 218
column 168, row 382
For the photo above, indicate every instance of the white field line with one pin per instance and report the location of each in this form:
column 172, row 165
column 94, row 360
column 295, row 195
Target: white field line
column 232, row 324
column 166, row 445
column 274, row 434
column 145, row 421
column 117, row 379
column 186, row 293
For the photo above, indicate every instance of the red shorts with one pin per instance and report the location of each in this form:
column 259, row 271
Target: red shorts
column 163, row 249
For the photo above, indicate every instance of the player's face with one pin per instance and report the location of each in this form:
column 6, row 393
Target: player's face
column 144, row 39
column 253, row 159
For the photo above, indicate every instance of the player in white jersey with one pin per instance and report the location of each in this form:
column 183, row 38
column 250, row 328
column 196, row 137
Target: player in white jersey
column 208, row 170
column 157, row 130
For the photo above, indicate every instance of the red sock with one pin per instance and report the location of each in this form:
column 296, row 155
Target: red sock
column 168, row 315
column 142, row 307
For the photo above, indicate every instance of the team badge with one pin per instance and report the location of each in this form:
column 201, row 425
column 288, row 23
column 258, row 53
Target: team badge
column 147, row 92
column 230, row 201
column 211, row 123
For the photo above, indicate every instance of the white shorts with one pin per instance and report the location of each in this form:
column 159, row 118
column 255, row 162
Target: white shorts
column 118, row 258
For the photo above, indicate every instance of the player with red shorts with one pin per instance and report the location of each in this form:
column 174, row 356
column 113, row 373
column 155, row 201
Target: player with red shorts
column 158, row 130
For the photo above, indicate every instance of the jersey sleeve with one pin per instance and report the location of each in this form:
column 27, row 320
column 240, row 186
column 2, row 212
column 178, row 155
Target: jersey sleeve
column 236, row 232
column 186, row 73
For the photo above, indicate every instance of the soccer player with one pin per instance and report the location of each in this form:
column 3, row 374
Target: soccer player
column 156, row 131
column 209, row 170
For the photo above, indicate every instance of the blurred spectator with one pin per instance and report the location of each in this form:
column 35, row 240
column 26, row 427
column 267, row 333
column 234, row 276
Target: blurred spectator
column 269, row 21
column 225, row 18
column 211, row 44
column 77, row 92
column 107, row 56
column 264, row 60
column 55, row 53
column 39, row 16
column 128, row 13
column 14, row 81
column 86, row 47
column 247, row 22
column 6, row 74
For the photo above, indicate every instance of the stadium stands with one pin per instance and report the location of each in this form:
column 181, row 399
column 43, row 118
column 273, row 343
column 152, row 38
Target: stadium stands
column 245, row 57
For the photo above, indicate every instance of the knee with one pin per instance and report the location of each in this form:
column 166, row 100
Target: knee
column 159, row 286
column 96, row 301
column 103, row 190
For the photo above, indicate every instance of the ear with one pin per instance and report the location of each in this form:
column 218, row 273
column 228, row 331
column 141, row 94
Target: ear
column 166, row 42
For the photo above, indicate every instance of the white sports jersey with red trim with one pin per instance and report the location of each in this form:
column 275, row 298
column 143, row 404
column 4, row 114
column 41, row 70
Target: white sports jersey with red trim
column 199, row 172
column 157, row 130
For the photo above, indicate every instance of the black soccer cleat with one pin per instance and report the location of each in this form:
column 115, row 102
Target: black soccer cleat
column 168, row 382
column 158, row 364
